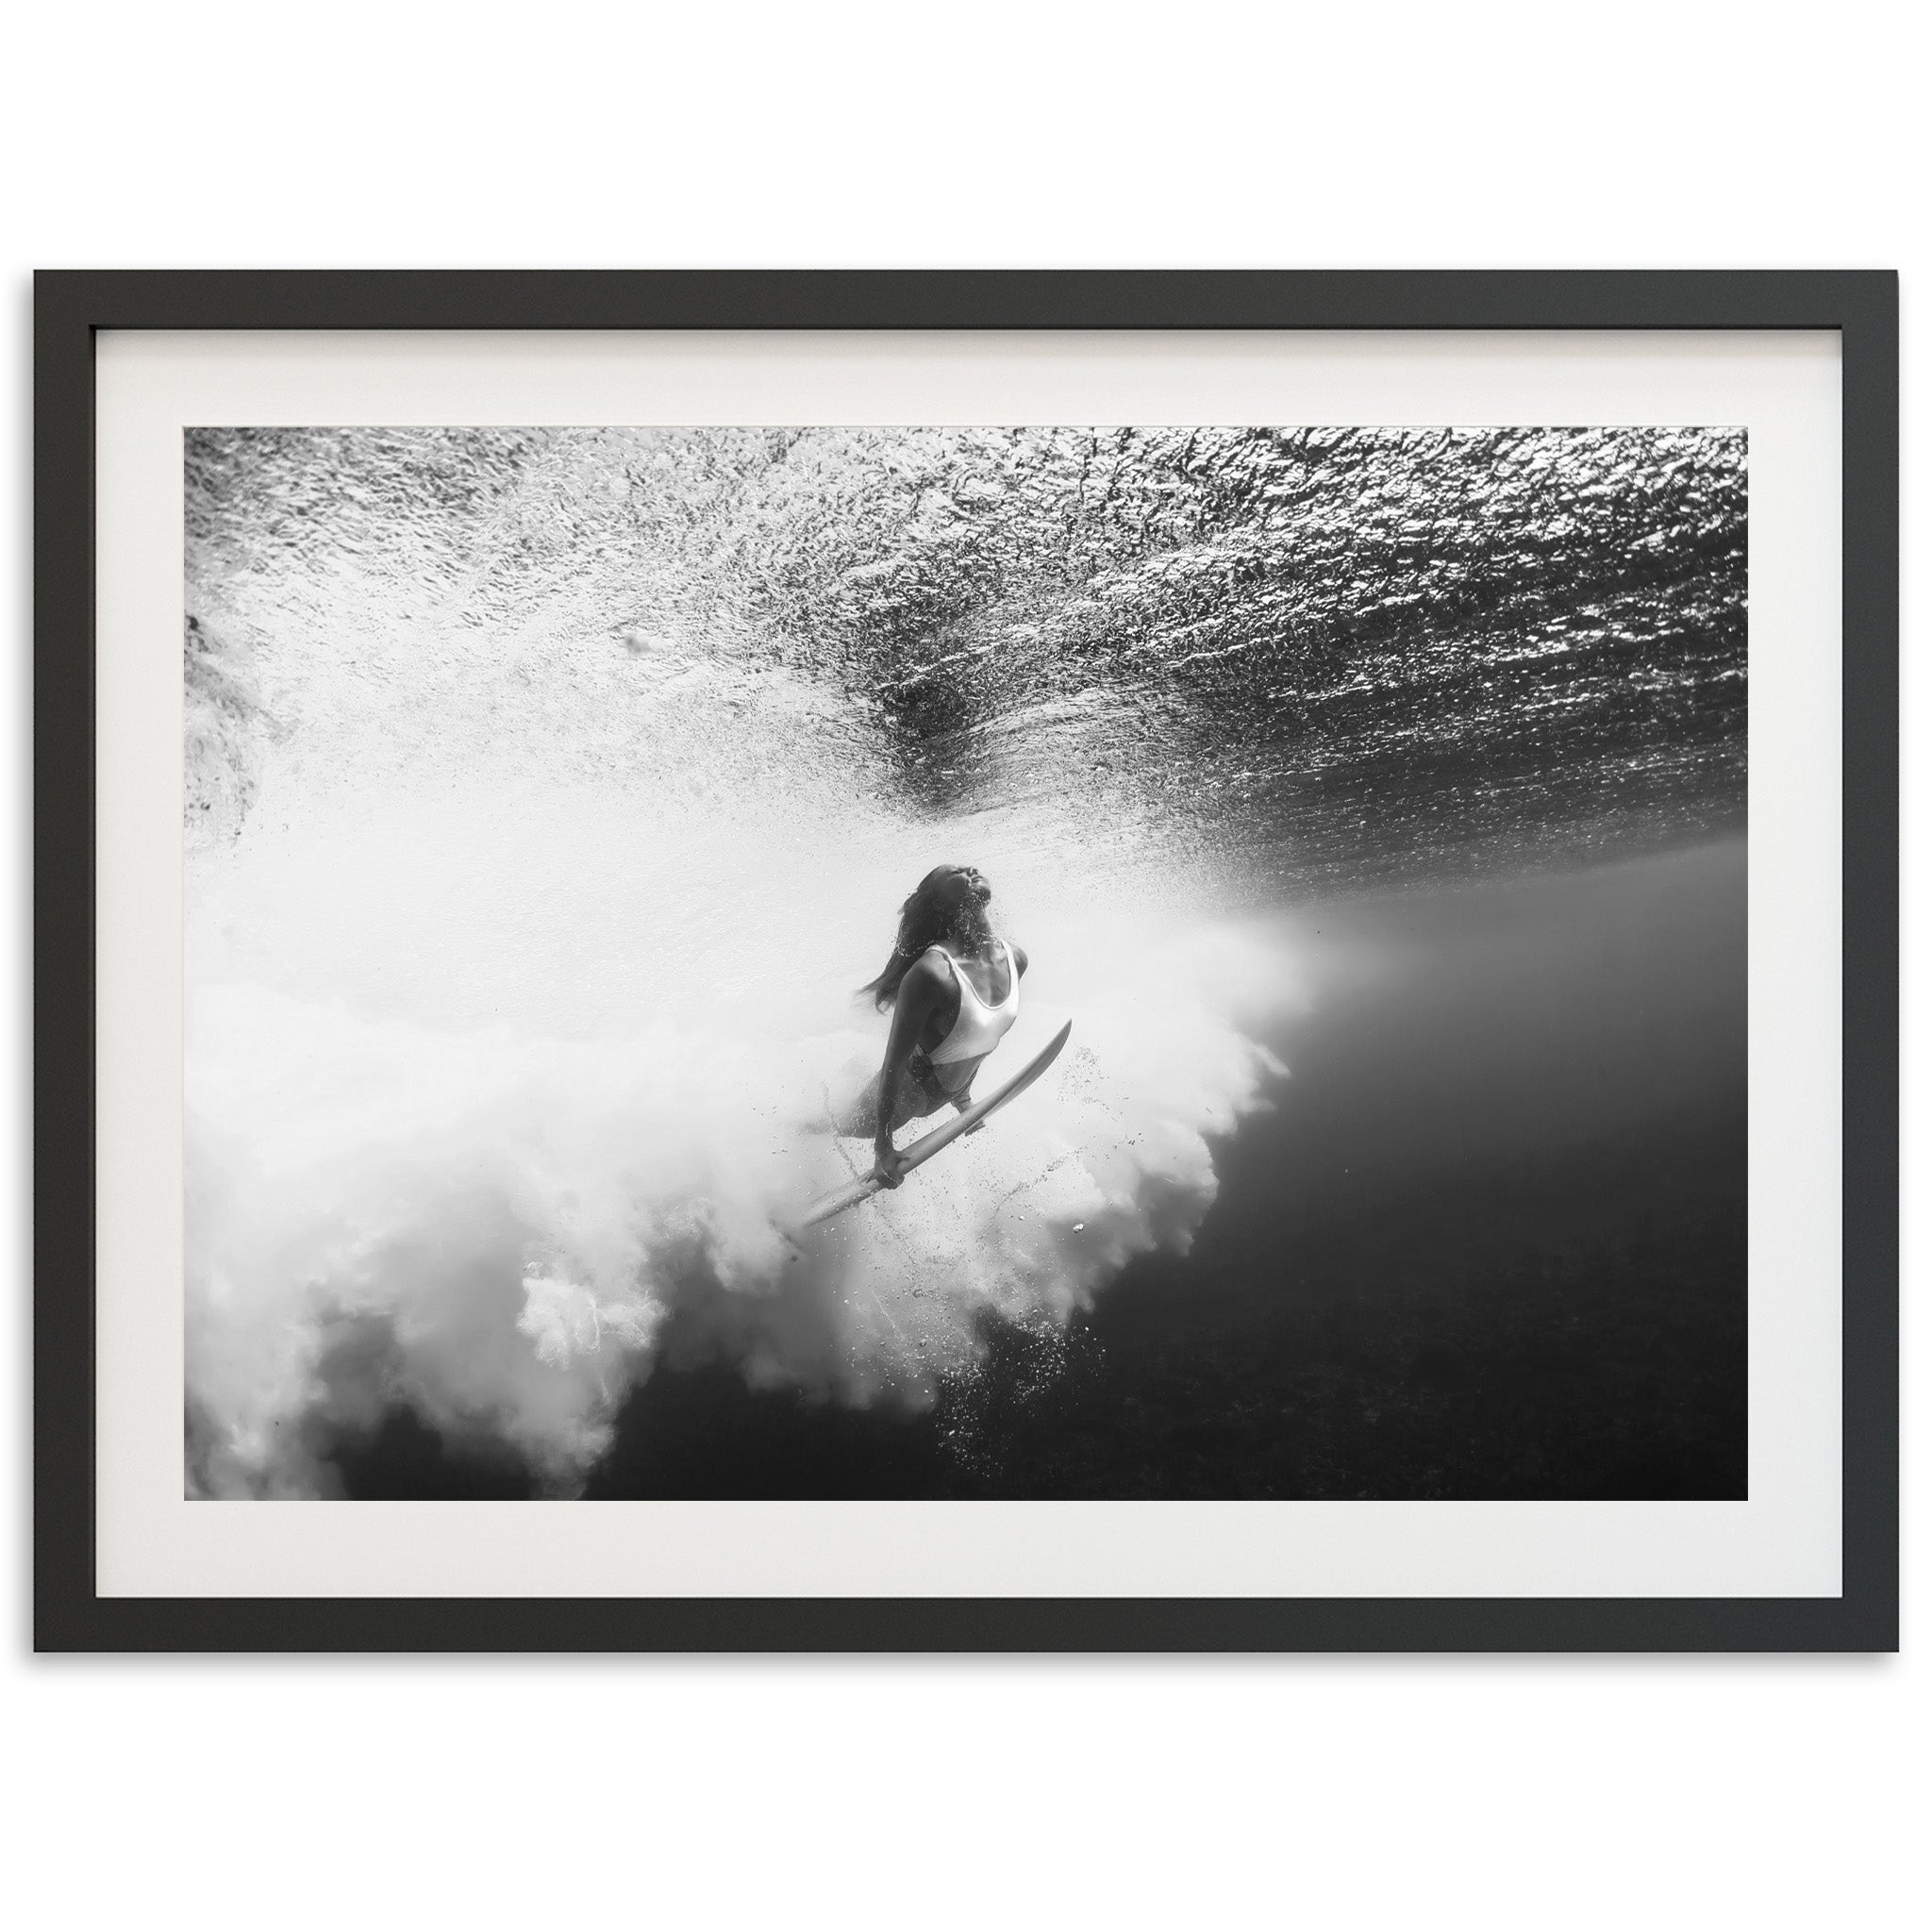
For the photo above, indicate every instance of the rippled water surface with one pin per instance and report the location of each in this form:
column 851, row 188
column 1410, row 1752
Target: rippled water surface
column 1344, row 654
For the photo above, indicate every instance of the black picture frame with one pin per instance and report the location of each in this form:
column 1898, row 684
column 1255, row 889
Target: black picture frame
column 70, row 306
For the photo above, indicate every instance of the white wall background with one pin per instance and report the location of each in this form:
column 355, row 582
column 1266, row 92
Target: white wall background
column 1523, row 1793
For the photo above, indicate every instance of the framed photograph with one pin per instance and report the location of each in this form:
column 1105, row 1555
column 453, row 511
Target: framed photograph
column 966, row 961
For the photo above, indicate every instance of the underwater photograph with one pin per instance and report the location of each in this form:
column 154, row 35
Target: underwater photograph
column 1011, row 962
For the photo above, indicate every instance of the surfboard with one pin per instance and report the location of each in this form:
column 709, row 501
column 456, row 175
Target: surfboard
column 917, row 1153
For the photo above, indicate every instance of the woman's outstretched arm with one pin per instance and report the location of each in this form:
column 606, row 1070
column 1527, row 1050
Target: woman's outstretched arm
column 919, row 993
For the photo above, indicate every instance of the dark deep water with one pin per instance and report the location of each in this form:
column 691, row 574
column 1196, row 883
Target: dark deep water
column 1490, row 1244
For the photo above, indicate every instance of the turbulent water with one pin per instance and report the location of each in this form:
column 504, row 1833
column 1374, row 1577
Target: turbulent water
column 548, row 793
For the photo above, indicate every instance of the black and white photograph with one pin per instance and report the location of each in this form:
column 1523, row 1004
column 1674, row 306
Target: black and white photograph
column 1075, row 962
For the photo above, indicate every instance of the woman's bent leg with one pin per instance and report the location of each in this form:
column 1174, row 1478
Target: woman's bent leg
column 910, row 1102
column 860, row 1118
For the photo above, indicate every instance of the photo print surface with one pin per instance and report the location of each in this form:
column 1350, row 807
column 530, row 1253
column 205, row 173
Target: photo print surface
column 610, row 852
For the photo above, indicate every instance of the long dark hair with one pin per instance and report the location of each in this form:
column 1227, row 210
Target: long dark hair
column 925, row 920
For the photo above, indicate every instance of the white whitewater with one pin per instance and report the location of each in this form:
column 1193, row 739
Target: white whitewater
column 516, row 1001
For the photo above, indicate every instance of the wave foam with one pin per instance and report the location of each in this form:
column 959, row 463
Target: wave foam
column 494, row 1228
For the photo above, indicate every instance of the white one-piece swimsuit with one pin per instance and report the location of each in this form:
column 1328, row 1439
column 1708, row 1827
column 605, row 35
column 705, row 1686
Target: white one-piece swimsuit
column 981, row 1025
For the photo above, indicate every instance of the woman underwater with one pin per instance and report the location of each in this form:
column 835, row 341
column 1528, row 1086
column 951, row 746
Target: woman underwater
column 953, row 989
